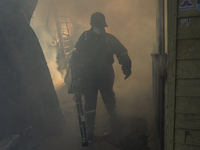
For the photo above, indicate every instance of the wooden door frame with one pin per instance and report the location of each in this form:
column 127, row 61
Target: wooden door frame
column 171, row 74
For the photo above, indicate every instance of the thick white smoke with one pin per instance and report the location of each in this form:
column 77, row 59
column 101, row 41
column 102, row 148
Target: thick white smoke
column 133, row 22
column 49, row 50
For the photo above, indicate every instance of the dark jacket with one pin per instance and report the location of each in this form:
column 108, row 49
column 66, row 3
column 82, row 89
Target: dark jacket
column 96, row 53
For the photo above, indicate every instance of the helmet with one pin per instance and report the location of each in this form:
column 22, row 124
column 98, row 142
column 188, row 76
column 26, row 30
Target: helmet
column 98, row 20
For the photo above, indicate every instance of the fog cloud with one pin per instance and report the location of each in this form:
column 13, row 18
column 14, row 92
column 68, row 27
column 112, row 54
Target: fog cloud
column 133, row 22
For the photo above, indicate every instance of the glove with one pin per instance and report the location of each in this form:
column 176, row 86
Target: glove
column 127, row 73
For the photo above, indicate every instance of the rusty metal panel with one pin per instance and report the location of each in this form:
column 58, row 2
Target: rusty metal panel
column 189, row 12
column 187, row 121
column 183, row 136
column 188, row 49
column 188, row 105
column 186, row 147
column 188, row 69
column 188, row 87
column 189, row 28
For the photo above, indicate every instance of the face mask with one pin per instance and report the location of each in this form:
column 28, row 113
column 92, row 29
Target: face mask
column 98, row 31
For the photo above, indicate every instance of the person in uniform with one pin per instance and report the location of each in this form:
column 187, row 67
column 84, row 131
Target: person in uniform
column 95, row 50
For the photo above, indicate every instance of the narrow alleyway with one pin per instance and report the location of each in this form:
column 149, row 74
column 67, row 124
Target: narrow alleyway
column 127, row 132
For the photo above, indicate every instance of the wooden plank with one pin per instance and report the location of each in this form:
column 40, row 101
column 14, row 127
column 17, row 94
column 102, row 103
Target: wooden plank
column 189, row 12
column 188, row 49
column 191, row 137
column 171, row 73
column 189, row 28
column 188, row 87
column 186, row 147
column 187, row 121
column 188, row 105
column 188, row 69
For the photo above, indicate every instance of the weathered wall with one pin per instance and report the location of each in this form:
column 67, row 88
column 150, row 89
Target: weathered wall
column 183, row 78
column 27, row 95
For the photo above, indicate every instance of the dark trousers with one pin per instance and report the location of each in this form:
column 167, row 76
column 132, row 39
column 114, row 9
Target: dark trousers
column 105, row 86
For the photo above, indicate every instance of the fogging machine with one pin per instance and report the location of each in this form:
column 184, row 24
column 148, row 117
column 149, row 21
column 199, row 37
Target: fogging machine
column 72, row 79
